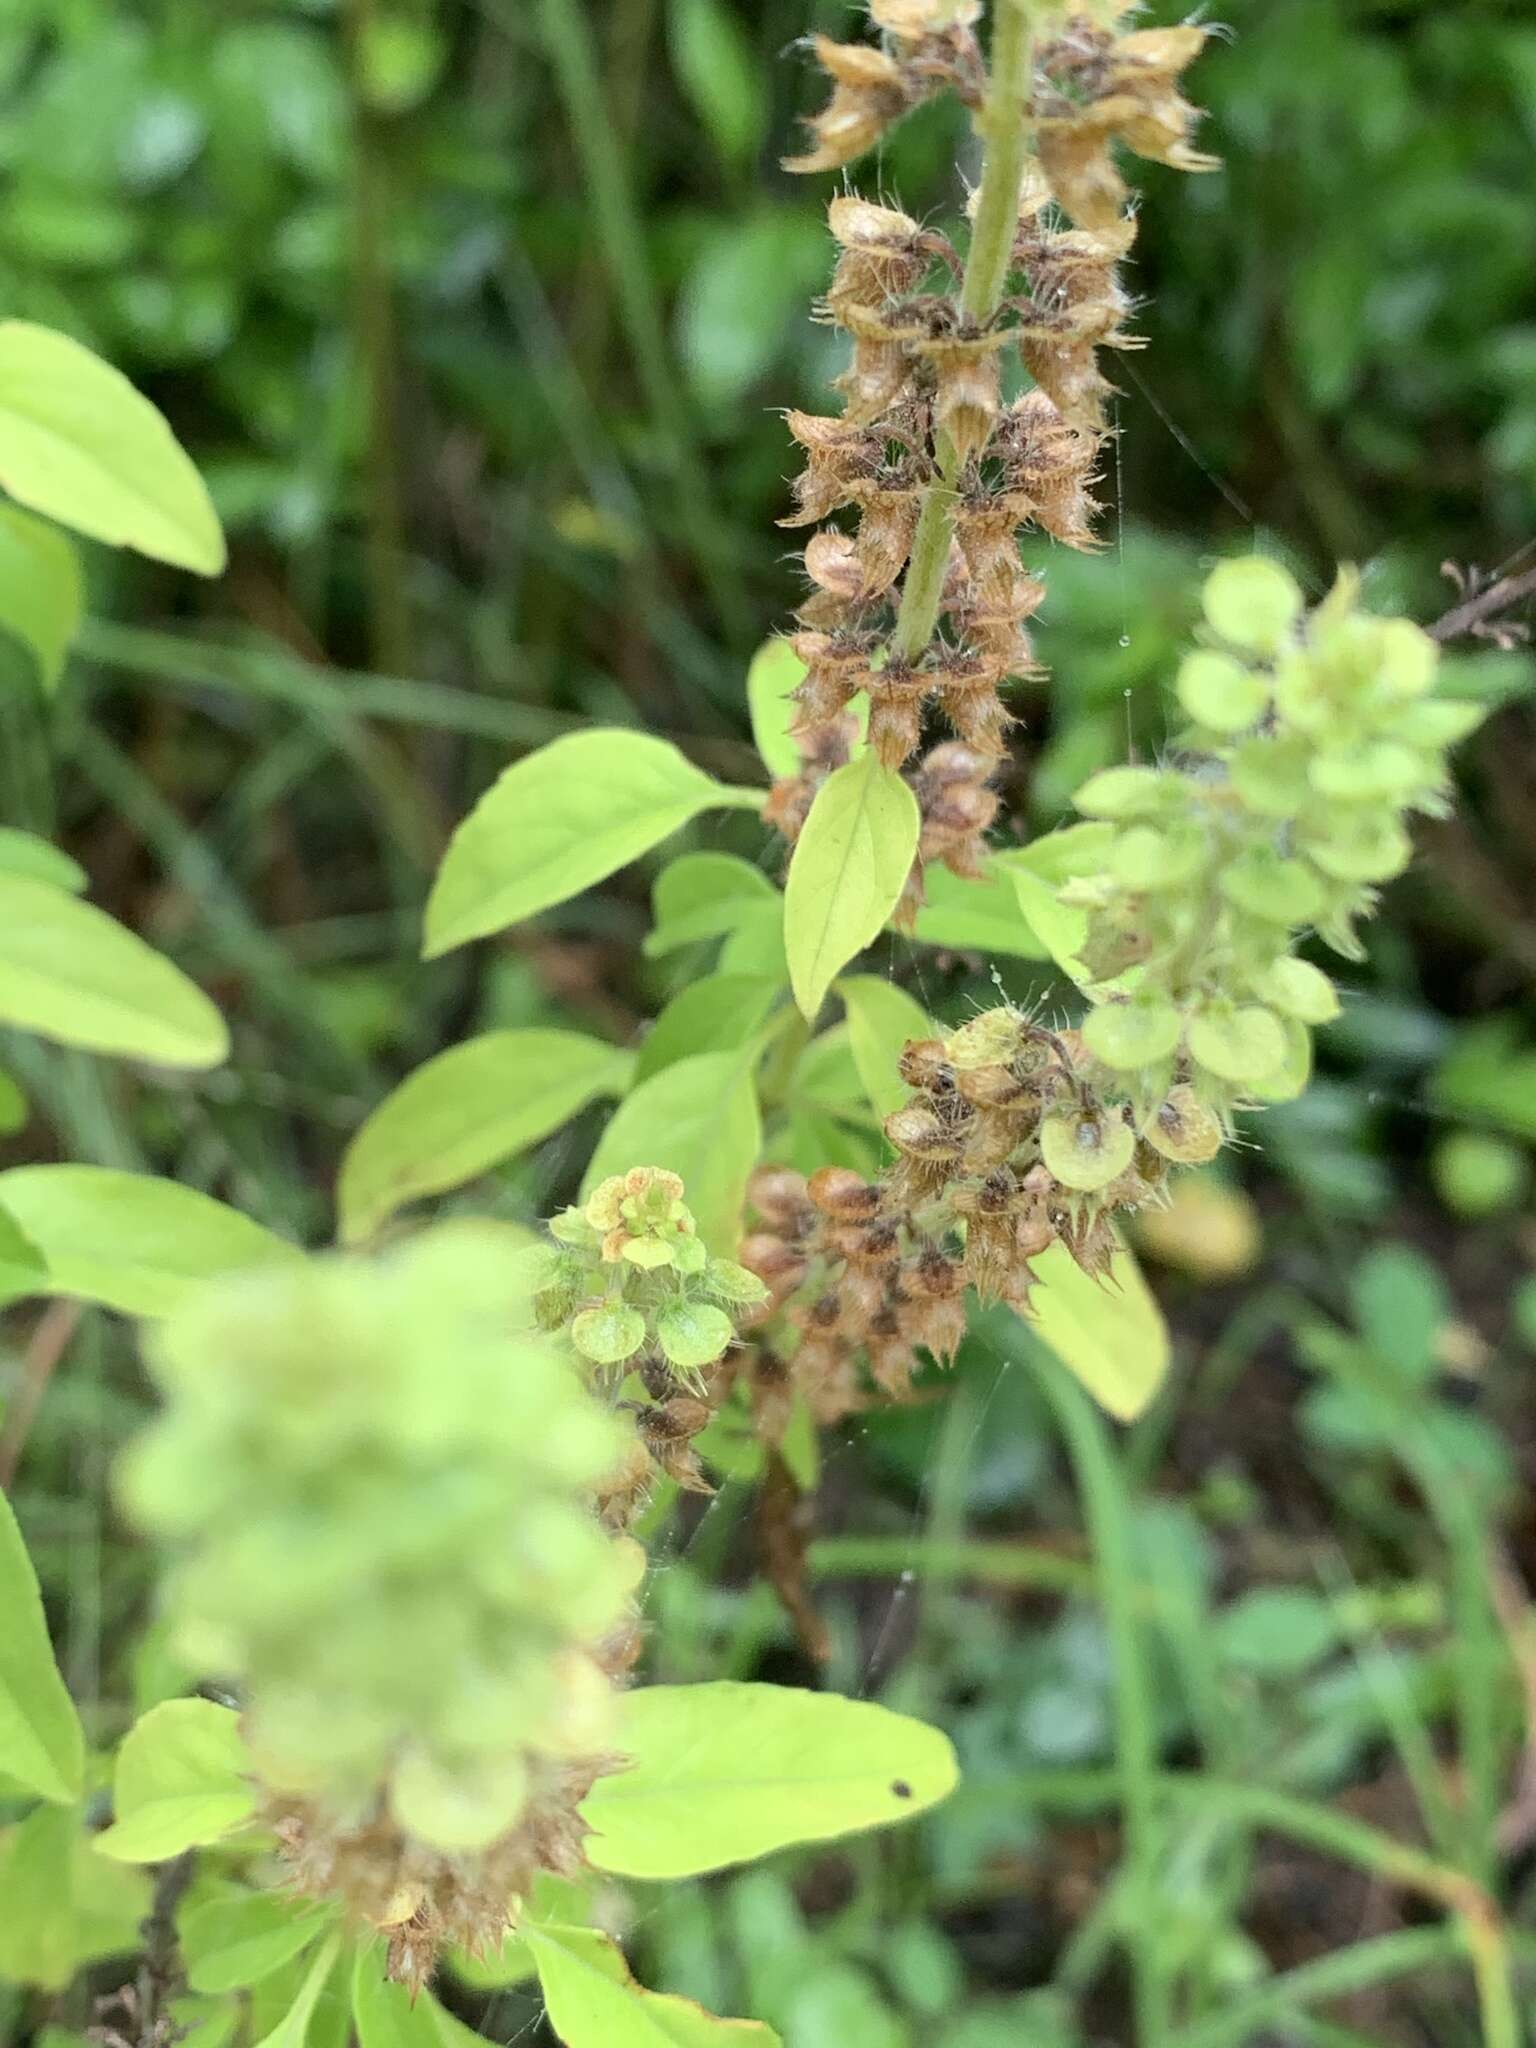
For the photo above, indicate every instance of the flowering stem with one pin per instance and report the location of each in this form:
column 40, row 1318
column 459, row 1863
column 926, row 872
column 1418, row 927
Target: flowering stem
column 1003, row 125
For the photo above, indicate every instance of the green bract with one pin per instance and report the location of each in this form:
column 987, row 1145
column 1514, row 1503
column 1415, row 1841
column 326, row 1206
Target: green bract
column 376, row 1493
column 1253, row 603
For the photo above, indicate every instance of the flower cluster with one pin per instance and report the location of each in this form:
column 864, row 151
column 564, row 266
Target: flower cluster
column 631, row 1283
column 926, row 443
column 1311, row 738
column 378, row 1499
column 988, row 1175
column 927, row 45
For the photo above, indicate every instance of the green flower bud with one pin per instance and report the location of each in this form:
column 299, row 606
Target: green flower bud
column 1135, row 1034
column 1086, row 1149
column 1239, row 1042
column 1143, row 857
column 1266, row 885
column 1126, row 793
column 1252, row 603
column 1380, row 771
column 647, row 1253
column 1407, row 659
column 1270, row 775
column 610, row 1334
column 1298, row 989
column 1290, row 1074
column 571, row 1228
column 1360, row 849
column 1438, row 722
column 1220, row 693
column 693, row 1334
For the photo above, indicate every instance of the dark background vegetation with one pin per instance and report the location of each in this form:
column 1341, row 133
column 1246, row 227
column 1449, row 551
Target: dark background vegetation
column 478, row 319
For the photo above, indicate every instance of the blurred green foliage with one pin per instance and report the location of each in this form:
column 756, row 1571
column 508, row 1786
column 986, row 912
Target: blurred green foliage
column 477, row 315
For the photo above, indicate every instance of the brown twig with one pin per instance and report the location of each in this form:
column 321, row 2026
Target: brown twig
column 139, row 2015
column 48, row 1344
column 1475, row 614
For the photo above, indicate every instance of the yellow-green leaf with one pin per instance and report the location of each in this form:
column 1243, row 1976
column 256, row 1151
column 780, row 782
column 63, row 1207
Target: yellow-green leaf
column 775, row 672
column 698, row 1117
column 128, row 1240
column 976, row 917
column 181, row 1780
column 593, row 2001
column 237, row 1936
column 80, row 445
column 1060, row 927
column 292, row 2029
column 41, row 590
column 561, row 819
column 1110, row 1333
column 41, row 1745
column 722, row 1773
column 464, row 1112
column 72, row 973
column 38, row 860
column 849, row 866
column 881, row 1018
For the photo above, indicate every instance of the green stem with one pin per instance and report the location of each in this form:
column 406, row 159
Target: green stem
column 1357, row 1968
column 389, row 622
column 621, row 238
column 1100, row 1486
column 1002, row 123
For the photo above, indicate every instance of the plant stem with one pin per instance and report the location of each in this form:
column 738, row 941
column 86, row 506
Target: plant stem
column 1102, row 1492
column 1359, row 1967
column 1002, row 123
column 375, row 340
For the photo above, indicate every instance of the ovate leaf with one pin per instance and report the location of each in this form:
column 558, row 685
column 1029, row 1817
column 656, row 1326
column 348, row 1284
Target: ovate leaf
column 593, row 2002
column 64, row 1906
column 713, row 1014
column 37, row 1883
column 387, row 2015
column 80, row 445
column 976, row 917
column 181, row 1780
column 725, row 1772
column 850, row 863
column 23, row 853
column 238, row 1937
column 128, row 1240
column 881, row 1018
column 561, row 819
column 41, row 591
column 1060, row 927
column 698, row 1117
column 704, row 896
column 776, row 671
column 774, row 674
column 74, row 974
column 41, row 1745
column 292, row 2030
column 23, row 1270
column 1109, row 1332
column 464, row 1112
